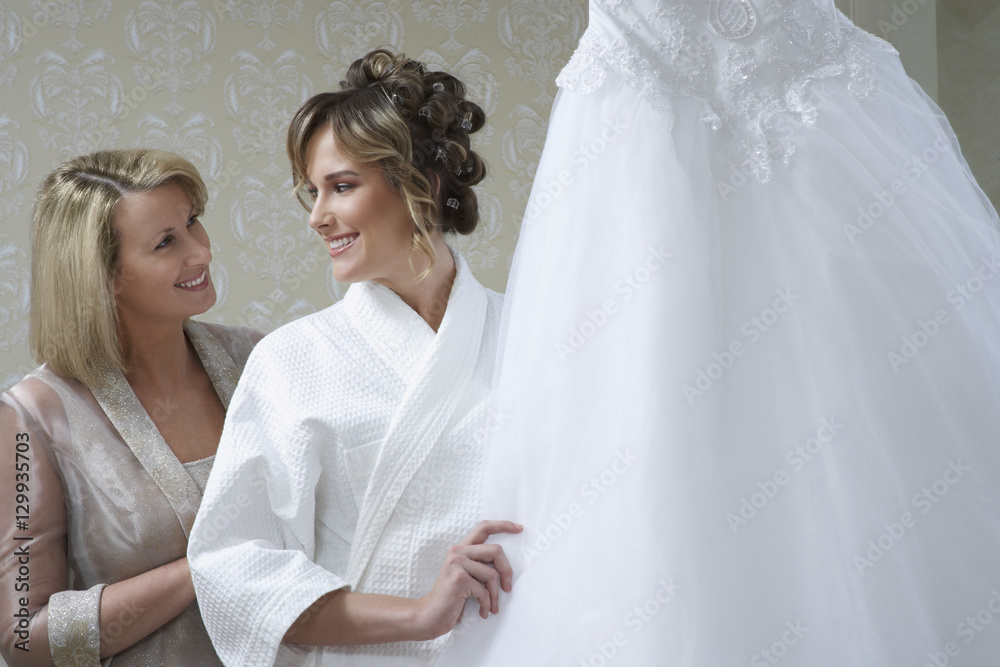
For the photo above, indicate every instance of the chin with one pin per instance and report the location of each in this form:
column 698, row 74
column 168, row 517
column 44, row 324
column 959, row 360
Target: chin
column 210, row 300
column 345, row 279
column 347, row 274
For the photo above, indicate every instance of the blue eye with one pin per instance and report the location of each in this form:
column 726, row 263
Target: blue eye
column 193, row 221
column 165, row 242
column 313, row 193
column 343, row 187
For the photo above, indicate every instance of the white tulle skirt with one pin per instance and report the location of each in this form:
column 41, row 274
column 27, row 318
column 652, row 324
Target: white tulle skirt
column 744, row 423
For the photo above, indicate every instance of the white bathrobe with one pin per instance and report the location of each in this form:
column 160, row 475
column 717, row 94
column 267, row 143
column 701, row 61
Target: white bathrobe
column 351, row 457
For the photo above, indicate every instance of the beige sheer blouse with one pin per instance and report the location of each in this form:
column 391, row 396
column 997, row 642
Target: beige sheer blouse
column 104, row 499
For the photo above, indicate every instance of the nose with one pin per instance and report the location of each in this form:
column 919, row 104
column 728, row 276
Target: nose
column 319, row 217
column 198, row 247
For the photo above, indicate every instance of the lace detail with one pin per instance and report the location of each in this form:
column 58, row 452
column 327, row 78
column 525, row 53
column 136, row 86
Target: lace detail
column 218, row 364
column 732, row 19
column 750, row 89
column 611, row 6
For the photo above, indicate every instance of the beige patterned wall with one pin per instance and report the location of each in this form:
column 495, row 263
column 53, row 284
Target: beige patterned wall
column 217, row 81
column 969, row 73
column 910, row 25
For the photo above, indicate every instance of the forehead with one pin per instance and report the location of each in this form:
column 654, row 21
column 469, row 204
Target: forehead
column 324, row 156
column 152, row 210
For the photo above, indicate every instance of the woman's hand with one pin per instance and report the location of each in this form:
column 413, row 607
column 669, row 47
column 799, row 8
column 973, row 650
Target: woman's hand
column 471, row 568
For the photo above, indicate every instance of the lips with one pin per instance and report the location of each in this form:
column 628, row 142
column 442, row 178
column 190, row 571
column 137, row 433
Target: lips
column 199, row 281
column 339, row 244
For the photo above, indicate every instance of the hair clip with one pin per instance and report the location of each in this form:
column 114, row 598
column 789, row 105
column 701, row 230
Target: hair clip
column 458, row 170
column 451, row 203
column 440, row 154
column 468, row 169
column 438, row 86
column 424, row 111
column 397, row 99
column 466, row 124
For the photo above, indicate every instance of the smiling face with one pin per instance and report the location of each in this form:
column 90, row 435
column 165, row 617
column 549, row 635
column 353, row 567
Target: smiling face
column 163, row 258
column 363, row 221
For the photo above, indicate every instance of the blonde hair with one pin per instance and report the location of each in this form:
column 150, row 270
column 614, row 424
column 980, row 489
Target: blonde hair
column 414, row 125
column 74, row 254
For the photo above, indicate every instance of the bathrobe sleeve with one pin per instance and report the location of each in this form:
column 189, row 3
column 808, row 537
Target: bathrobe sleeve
column 252, row 548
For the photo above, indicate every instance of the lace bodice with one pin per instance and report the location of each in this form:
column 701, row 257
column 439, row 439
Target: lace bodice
column 749, row 64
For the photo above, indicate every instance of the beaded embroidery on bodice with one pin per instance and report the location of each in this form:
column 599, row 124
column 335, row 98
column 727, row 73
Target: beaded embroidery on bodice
column 749, row 66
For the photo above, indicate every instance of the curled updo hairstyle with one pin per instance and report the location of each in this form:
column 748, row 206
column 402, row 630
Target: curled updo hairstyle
column 412, row 123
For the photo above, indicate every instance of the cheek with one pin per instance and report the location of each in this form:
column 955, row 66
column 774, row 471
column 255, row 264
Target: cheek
column 122, row 275
column 398, row 218
column 125, row 283
column 382, row 218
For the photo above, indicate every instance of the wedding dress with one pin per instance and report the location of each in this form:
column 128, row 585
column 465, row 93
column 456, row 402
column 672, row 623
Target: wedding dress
column 750, row 369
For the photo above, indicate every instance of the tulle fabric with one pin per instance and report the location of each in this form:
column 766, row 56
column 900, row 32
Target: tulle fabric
column 749, row 423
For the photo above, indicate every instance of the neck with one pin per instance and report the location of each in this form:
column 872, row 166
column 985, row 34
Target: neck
column 159, row 357
column 429, row 297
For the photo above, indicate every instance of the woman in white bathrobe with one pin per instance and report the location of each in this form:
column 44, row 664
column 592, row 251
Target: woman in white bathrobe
column 351, row 459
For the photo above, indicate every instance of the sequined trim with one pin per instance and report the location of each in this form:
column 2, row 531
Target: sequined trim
column 744, row 88
column 200, row 470
column 74, row 627
column 137, row 429
column 241, row 343
column 220, row 366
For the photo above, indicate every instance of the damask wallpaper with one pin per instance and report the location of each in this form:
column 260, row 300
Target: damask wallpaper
column 217, row 81
column 969, row 49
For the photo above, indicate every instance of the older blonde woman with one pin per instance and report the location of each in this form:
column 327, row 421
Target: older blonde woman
column 111, row 440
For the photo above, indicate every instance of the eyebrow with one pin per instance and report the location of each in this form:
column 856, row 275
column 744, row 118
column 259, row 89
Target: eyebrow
column 193, row 213
column 337, row 174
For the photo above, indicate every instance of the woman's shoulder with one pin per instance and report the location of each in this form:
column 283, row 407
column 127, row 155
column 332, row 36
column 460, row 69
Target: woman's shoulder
column 494, row 309
column 326, row 323
column 238, row 342
column 495, row 298
column 43, row 387
column 300, row 342
column 233, row 335
column 39, row 400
